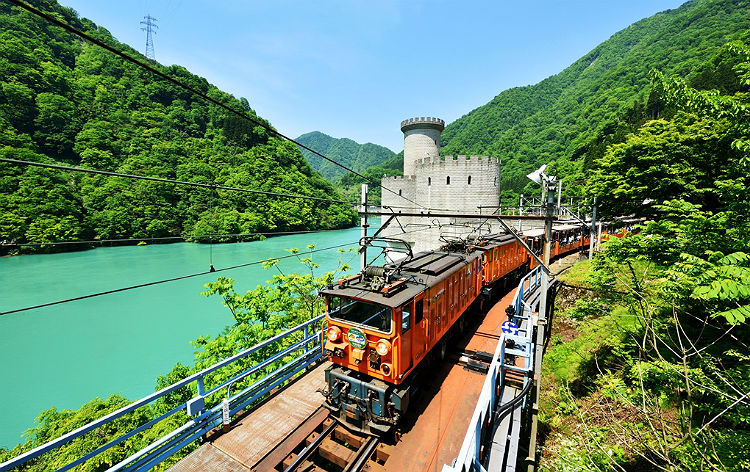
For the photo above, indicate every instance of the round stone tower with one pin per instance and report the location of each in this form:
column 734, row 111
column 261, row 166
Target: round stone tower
column 421, row 139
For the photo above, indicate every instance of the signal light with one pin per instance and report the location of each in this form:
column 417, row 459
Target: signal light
column 386, row 368
column 334, row 334
column 383, row 347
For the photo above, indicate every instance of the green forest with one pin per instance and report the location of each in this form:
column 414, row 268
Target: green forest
column 561, row 120
column 358, row 157
column 370, row 161
column 649, row 366
column 64, row 101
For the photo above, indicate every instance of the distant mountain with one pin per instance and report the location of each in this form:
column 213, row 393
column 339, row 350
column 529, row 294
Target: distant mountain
column 558, row 119
column 359, row 157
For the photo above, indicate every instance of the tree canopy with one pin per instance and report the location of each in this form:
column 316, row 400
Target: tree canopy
column 68, row 102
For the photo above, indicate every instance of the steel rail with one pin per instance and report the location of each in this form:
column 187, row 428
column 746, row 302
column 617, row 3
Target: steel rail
column 363, row 455
column 312, row 447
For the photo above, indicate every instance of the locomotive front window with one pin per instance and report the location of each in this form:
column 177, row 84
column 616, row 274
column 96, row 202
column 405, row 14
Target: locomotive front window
column 360, row 312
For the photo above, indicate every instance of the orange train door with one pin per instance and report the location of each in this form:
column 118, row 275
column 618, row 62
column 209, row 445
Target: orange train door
column 419, row 327
column 407, row 334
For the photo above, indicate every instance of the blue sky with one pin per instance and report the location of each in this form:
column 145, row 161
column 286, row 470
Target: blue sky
column 354, row 68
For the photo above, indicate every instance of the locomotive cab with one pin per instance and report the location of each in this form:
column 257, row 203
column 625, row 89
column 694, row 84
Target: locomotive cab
column 368, row 337
column 380, row 326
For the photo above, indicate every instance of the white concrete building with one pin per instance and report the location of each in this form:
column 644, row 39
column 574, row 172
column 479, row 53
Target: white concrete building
column 456, row 184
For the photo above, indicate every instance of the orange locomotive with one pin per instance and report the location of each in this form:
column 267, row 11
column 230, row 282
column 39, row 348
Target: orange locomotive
column 383, row 322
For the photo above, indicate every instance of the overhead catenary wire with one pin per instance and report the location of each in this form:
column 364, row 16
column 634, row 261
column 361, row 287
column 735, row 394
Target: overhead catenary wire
column 171, row 279
column 165, row 238
column 192, row 90
column 169, row 181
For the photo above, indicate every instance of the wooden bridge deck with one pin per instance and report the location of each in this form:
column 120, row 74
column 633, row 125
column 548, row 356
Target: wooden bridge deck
column 258, row 432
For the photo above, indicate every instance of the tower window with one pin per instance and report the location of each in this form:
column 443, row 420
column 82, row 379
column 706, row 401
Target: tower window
column 399, row 192
column 469, row 180
column 429, row 181
column 448, row 180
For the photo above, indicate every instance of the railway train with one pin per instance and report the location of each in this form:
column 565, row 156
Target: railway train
column 383, row 323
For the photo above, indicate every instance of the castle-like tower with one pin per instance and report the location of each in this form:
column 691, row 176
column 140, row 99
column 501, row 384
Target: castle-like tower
column 456, row 184
column 421, row 140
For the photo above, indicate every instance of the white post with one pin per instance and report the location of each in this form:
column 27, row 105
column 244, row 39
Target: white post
column 593, row 230
column 559, row 195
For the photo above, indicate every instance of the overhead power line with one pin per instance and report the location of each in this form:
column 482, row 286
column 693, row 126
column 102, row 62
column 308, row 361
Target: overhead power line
column 194, row 91
column 168, row 181
column 163, row 238
column 173, row 279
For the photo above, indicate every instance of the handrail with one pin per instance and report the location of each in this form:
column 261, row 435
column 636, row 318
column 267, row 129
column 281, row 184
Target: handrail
column 205, row 420
column 468, row 456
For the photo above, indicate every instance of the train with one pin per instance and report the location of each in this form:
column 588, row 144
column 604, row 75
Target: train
column 385, row 323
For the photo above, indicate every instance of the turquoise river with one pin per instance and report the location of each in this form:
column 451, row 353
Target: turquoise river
column 65, row 355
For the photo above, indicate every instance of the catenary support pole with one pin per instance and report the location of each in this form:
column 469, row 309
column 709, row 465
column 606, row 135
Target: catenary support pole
column 593, row 231
column 541, row 324
column 363, row 233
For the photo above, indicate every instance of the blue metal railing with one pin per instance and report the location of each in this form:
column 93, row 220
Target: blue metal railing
column 468, row 458
column 296, row 347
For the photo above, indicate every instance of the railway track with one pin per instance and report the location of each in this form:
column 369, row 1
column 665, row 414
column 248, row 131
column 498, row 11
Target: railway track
column 320, row 444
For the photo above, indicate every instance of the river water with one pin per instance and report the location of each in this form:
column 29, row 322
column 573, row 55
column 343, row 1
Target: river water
column 68, row 354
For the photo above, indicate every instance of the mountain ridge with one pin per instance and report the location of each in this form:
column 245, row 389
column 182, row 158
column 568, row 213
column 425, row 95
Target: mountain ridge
column 550, row 121
column 345, row 151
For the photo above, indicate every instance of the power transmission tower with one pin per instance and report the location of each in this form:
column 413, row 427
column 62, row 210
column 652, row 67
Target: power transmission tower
column 150, row 27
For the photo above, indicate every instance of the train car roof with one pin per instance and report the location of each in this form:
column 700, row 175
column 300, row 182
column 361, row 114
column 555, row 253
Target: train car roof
column 424, row 270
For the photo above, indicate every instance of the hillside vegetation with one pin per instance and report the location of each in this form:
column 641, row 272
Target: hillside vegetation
column 649, row 365
column 68, row 102
column 358, row 157
column 559, row 120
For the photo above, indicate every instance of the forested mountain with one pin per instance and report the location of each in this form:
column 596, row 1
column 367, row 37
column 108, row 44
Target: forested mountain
column 359, row 157
column 65, row 101
column 561, row 118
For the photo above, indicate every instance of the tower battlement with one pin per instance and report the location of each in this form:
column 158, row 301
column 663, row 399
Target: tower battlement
column 459, row 160
column 400, row 178
column 423, row 122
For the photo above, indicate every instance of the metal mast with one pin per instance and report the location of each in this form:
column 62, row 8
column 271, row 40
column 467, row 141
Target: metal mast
column 150, row 27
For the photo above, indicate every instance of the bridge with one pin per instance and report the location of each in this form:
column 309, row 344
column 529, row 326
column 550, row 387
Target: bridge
column 478, row 414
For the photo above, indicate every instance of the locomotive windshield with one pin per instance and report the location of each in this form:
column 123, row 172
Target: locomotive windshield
column 360, row 312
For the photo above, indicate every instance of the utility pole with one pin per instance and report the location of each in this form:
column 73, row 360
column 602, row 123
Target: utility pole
column 363, row 233
column 549, row 209
column 593, row 231
column 150, row 27
column 548, row 183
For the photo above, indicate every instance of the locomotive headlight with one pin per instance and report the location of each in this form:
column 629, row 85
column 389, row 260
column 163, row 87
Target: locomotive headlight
column 383, row 347
column 334, row 334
